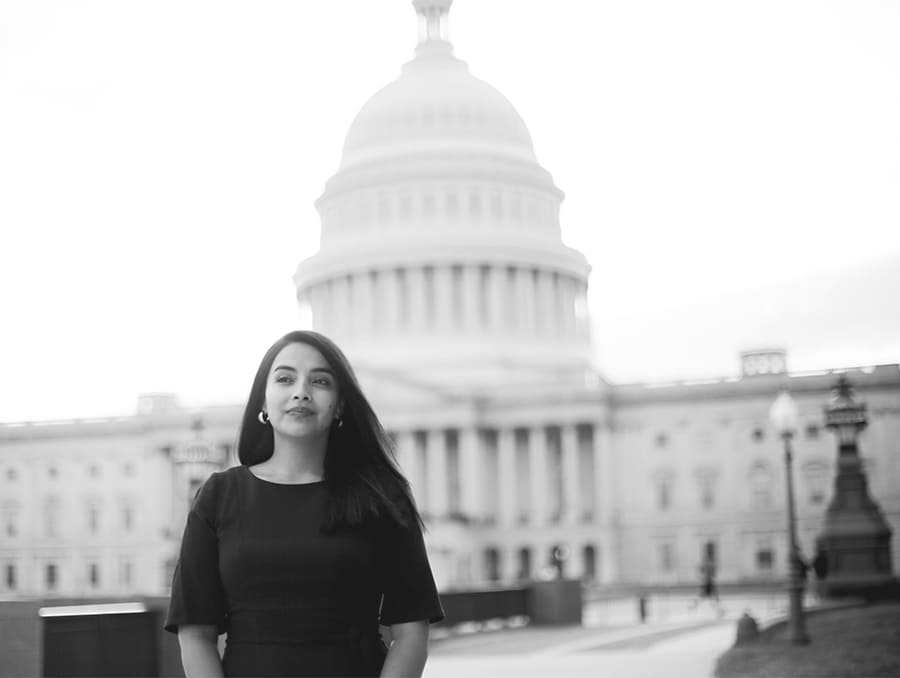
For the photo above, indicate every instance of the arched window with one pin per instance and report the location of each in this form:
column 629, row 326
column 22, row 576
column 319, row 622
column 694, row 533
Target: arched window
column 524, row 563
column 589, row 558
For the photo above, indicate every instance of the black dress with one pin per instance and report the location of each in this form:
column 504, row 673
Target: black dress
column 294, row 601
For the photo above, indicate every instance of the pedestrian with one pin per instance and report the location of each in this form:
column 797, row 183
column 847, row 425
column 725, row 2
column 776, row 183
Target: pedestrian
column 820, row 563
column 312, row 541
column 708, row 580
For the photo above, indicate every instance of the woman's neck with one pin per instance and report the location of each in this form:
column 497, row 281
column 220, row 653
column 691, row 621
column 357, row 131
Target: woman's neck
column 295, row 460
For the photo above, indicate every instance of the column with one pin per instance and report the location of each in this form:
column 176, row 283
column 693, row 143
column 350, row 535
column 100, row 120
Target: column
column 443, row 297
column 567, row 288
column 390, row 294
column 582, row 328
column 472, row 474
column 323, row 309
column 498, row 299
column 471, row 299
column 604, row 468
column 341, row 302
column 537, row 444
column 507, row 475
column 415, row 280
column 437, row 473
column 524, row 301
column 572, row 503
column 545, row 310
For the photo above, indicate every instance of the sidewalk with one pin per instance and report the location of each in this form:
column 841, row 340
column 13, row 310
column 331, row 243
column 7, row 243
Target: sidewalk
column 681, row 639
column 651, row 651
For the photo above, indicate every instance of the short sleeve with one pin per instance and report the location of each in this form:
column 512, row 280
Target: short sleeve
column 197, row 593
column 405, row 576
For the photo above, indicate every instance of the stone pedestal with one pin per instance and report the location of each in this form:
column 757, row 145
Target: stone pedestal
column 856, row 538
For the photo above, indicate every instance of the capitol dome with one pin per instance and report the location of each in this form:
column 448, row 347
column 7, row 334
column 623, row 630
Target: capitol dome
column 441, row 252
column 436, row 105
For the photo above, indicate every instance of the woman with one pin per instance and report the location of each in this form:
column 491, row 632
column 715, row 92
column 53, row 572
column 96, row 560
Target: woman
column 301, row 551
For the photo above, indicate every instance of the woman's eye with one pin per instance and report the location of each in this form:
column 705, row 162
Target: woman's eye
column 322, row 382
column 283, row 379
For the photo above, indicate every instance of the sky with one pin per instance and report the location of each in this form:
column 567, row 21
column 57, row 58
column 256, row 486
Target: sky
column 731, row 170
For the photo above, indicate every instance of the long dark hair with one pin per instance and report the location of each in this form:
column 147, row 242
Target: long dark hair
column 360, row 467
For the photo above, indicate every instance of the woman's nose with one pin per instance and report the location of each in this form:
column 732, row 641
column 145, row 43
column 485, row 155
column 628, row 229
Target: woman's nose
column 302, row 392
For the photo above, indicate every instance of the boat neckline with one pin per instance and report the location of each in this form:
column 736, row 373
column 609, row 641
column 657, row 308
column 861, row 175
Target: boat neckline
column 272, row 482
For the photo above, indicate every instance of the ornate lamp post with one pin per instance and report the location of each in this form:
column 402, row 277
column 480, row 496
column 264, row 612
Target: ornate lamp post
column 855, row 537
column 783, row 415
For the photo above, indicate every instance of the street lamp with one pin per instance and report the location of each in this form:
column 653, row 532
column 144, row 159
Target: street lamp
column 783, row 415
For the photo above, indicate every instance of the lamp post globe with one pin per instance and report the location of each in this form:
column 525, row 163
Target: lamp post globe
column 784, row 416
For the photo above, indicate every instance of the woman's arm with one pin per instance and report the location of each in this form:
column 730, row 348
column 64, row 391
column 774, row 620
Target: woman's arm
column 200, row 651
column 408, row 651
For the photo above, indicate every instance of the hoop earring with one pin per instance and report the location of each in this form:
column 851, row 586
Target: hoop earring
column 340, row 422
column 263, row 417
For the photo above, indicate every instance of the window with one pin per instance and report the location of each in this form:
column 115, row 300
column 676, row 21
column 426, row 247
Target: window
column 706, row 477
column 128, row 468
column 492, row 564
column 707, row 493
column 664, row 494
column 758, row 435
column 524, row 557
column 126, row 573
column 94, row 471
column 666, row 556
column 127, row 517
column 760, row 486
column 53, row 472
column 93, row 517
column 812, row 431
column 661, row 440
column 51, row 517
column 765, row 558
column 11, row 518
column 94, row 575
column 710, row 552
column 50, row 576
column 10, row 576
column 815, row 480
column 589, row 556
column 11, row 474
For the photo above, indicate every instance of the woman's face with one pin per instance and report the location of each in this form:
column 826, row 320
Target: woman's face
column 302, row 395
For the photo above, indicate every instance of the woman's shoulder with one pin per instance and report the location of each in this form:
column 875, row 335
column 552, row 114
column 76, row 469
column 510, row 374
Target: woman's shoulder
column 222, row 482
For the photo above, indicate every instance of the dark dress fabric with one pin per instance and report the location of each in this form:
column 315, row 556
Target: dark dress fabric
column 294, row 601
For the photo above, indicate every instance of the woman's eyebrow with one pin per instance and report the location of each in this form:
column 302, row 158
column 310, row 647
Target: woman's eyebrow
column 283, row 367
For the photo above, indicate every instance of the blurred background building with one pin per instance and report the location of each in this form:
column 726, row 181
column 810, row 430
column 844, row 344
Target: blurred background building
column 443, row 274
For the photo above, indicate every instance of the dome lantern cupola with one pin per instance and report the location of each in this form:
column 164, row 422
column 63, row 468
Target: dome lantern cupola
column 433, row 15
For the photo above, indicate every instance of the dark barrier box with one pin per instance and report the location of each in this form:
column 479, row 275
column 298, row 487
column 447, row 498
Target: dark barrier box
column 555, row 603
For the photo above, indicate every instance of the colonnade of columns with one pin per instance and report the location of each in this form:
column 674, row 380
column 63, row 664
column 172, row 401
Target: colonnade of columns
column 530, row 476
column 464, row 298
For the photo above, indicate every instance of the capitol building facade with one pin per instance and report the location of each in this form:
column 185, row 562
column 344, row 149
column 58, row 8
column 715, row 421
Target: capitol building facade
column 443, row 274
